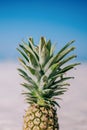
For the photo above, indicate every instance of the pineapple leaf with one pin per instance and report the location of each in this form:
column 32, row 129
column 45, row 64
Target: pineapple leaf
column 64, row 53
column 23, row 63
column 59, row 85
column 41, row 44
column 58, row 93
column 30, row 54
column 44, row 55
column 66, row 46
column 67, row 59
column 24, row 73
column 30, row 51
column 63, row 79
column 29, row 86
column 24, row 55
column 52, row 50
column 67, row 68
column 55, row 103
column 33, row 47
column 47, row 92
column 51, row 70
column 34, row 73
column 49, row 63
column 27, row 93
column 31, row 100
column 26, row 77
column 48, row 45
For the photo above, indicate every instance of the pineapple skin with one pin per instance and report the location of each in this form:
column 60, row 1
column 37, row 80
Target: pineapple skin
column 41, row 118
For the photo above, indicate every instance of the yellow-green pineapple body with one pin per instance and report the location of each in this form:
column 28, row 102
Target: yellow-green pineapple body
column 41, row 118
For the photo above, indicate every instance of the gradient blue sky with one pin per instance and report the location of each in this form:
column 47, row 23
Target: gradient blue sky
column 58, row 20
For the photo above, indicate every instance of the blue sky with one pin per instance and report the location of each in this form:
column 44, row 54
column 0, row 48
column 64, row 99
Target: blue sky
column 58, row 20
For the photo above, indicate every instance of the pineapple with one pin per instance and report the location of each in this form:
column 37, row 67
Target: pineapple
column 45, row 81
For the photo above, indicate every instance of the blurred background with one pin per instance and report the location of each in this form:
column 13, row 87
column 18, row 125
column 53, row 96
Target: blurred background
column 60, row 21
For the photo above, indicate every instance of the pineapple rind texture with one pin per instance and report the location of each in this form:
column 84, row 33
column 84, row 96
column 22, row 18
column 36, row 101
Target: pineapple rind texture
column 40, row 118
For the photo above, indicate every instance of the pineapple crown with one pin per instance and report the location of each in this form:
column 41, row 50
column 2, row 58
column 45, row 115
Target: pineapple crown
column 44, row 71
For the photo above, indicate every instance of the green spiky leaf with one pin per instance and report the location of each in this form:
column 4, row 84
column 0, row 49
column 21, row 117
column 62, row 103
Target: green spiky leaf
column 44, row 71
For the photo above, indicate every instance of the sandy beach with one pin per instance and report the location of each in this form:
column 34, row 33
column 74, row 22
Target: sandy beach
column 72, row 114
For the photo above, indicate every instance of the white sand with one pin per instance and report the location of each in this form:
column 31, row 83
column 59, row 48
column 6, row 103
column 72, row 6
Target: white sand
column 73, row 112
